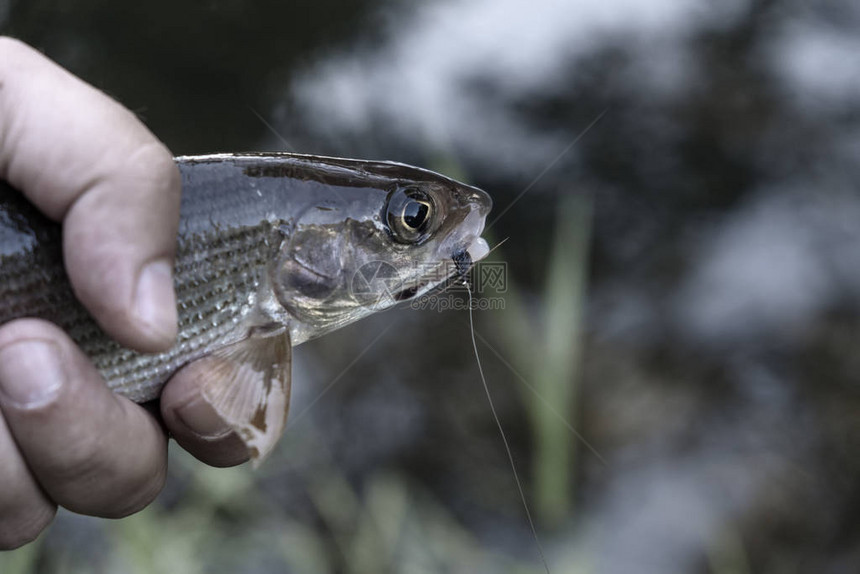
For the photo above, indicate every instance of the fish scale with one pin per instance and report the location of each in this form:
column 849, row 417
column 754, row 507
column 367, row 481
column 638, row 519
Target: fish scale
column 216, row 277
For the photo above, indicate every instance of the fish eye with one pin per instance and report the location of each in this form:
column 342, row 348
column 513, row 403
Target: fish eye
column 410, row 214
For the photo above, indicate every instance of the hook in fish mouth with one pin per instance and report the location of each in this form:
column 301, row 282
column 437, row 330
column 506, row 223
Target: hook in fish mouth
column 464, row 259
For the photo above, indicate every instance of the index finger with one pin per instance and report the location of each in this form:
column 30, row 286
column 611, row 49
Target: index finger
column 85, row 160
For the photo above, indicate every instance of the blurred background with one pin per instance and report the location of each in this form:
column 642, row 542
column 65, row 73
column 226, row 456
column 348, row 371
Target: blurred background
column 674, row 358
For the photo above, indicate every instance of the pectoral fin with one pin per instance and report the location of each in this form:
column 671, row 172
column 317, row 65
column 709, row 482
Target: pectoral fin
column 249, row 388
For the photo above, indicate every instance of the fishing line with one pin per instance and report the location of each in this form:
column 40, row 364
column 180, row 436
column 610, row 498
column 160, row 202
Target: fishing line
column 497, row 245
column 548, row 167
column 502, row 433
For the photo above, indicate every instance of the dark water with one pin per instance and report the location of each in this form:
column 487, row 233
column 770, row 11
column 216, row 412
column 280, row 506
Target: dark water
column 680, row 193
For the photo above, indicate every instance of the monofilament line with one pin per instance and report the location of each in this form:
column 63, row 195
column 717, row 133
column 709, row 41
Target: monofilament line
column 502, row 433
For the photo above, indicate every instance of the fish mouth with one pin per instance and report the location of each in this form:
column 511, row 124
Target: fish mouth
column 484, row 202
column 461, row 262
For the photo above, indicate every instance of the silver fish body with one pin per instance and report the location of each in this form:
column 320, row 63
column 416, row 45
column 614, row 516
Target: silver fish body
column 270, row 246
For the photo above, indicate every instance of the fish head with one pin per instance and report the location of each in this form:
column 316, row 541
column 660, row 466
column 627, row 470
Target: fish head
column 404, row 234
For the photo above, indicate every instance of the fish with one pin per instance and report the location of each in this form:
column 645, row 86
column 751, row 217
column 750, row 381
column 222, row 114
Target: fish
column 273, row 249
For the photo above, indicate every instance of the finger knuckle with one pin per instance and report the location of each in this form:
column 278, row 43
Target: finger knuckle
column 88, row 481
column 81, row 462
column 11, row 46
column 14, row 56
column 157, row 162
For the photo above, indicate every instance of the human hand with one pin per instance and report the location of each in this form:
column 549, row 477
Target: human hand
column 65, row 439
